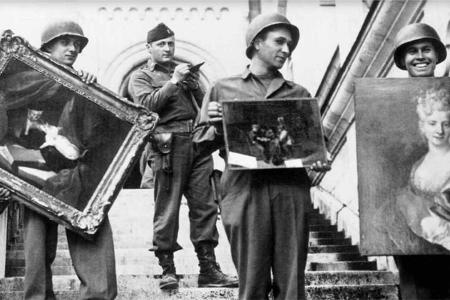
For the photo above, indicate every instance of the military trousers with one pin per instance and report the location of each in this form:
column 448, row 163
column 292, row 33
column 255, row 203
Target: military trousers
column 94, row 261
column 421, row 277
column 188, row 175
column 265, row 215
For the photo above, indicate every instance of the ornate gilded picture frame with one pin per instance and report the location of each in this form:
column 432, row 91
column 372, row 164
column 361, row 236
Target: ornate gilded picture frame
column 273, row 134
column 66, row 147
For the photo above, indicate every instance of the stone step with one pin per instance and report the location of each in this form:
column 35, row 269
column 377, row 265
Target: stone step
column 332, row 248
column 352, row 292
column 322, row 227
column 137, row 268
column 143, row 268
column 320, row 285
column 313, row 247
column 329, row 241
column 343, row 266
column 326, row 234
column 312, row 278
column 317, row 216
column 183, row 260
column 334, row 292
column 140, row 261
column 318, row 221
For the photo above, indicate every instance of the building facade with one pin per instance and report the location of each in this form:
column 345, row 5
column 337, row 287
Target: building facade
column 340, row 40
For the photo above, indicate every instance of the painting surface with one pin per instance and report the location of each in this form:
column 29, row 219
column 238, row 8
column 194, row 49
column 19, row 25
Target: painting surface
column 273, row 133
column 403, row 156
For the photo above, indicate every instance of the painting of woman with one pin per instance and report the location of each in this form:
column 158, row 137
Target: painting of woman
column 424, row 203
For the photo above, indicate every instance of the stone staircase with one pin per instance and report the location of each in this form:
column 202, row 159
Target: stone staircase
column 335, row 269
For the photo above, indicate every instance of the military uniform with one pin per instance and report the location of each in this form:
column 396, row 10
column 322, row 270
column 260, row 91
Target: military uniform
column 188, row 173
column 265, row 212
column 419, row 278
column 82, row 122
column 179, row 168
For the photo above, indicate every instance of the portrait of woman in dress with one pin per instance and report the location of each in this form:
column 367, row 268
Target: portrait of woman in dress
column 424, row 202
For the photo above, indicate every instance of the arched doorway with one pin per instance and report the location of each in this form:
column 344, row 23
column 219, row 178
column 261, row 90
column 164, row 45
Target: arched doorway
column 116, row 75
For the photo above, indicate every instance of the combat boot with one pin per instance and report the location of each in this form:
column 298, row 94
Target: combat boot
column 210, row 273
column 168, row 279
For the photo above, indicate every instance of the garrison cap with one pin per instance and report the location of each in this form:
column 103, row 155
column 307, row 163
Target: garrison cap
column 161, row 31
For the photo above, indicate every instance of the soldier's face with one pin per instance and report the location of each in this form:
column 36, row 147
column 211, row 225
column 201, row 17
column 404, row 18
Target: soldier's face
column 162, row 51
column 420, row 59
column 275, row 49
column 65, row 49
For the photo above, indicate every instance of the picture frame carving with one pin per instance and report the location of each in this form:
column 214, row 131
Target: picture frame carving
column 127, row 127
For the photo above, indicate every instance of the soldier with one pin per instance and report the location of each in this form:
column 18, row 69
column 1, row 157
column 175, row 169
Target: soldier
column 418, row 49
column 264, row 212
column 94, row 261
column 172, row 91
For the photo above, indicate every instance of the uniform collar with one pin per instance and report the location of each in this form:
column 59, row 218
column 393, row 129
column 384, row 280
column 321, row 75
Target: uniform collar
column 278, row 78
column 155, row 66
column 277, row 83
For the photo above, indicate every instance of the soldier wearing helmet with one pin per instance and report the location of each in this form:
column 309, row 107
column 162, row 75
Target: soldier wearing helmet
column 264, row 213
column 418, row 49
column 93, row 261
column 64, row 40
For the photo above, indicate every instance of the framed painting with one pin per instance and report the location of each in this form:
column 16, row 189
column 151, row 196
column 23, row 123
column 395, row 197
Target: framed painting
column 403, row 160
column 271, row 134
column 66, row 147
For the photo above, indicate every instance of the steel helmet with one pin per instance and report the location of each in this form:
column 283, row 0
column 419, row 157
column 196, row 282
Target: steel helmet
column 262, row 22
column 415, row 32
column 62, row 28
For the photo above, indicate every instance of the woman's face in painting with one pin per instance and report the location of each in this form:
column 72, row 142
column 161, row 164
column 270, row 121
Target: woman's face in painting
column 436, row 128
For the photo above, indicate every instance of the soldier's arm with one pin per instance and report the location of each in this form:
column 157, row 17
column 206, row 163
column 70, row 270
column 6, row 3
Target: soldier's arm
column 145, row 92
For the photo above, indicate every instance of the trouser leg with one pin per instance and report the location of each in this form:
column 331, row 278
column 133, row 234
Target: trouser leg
column 202, row 207
column 247, row 222
column 40, row 242
column 168, row 191
column 146, row 170
column 290, row 209
column 94, row 263
column 147, row 179
column 419, row 279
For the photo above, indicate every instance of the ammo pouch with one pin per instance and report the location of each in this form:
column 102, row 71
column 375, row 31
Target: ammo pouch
column 162, row 144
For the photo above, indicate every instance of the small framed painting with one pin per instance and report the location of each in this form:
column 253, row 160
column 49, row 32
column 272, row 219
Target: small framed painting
column 272, row 134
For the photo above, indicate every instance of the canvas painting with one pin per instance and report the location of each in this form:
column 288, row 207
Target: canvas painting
column 403, row 157
column 66, row 147
column 270, row 134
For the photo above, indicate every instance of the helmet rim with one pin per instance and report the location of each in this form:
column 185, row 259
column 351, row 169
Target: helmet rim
column 63, row 28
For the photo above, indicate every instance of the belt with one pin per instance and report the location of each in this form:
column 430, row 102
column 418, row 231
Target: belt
column 184, row 126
